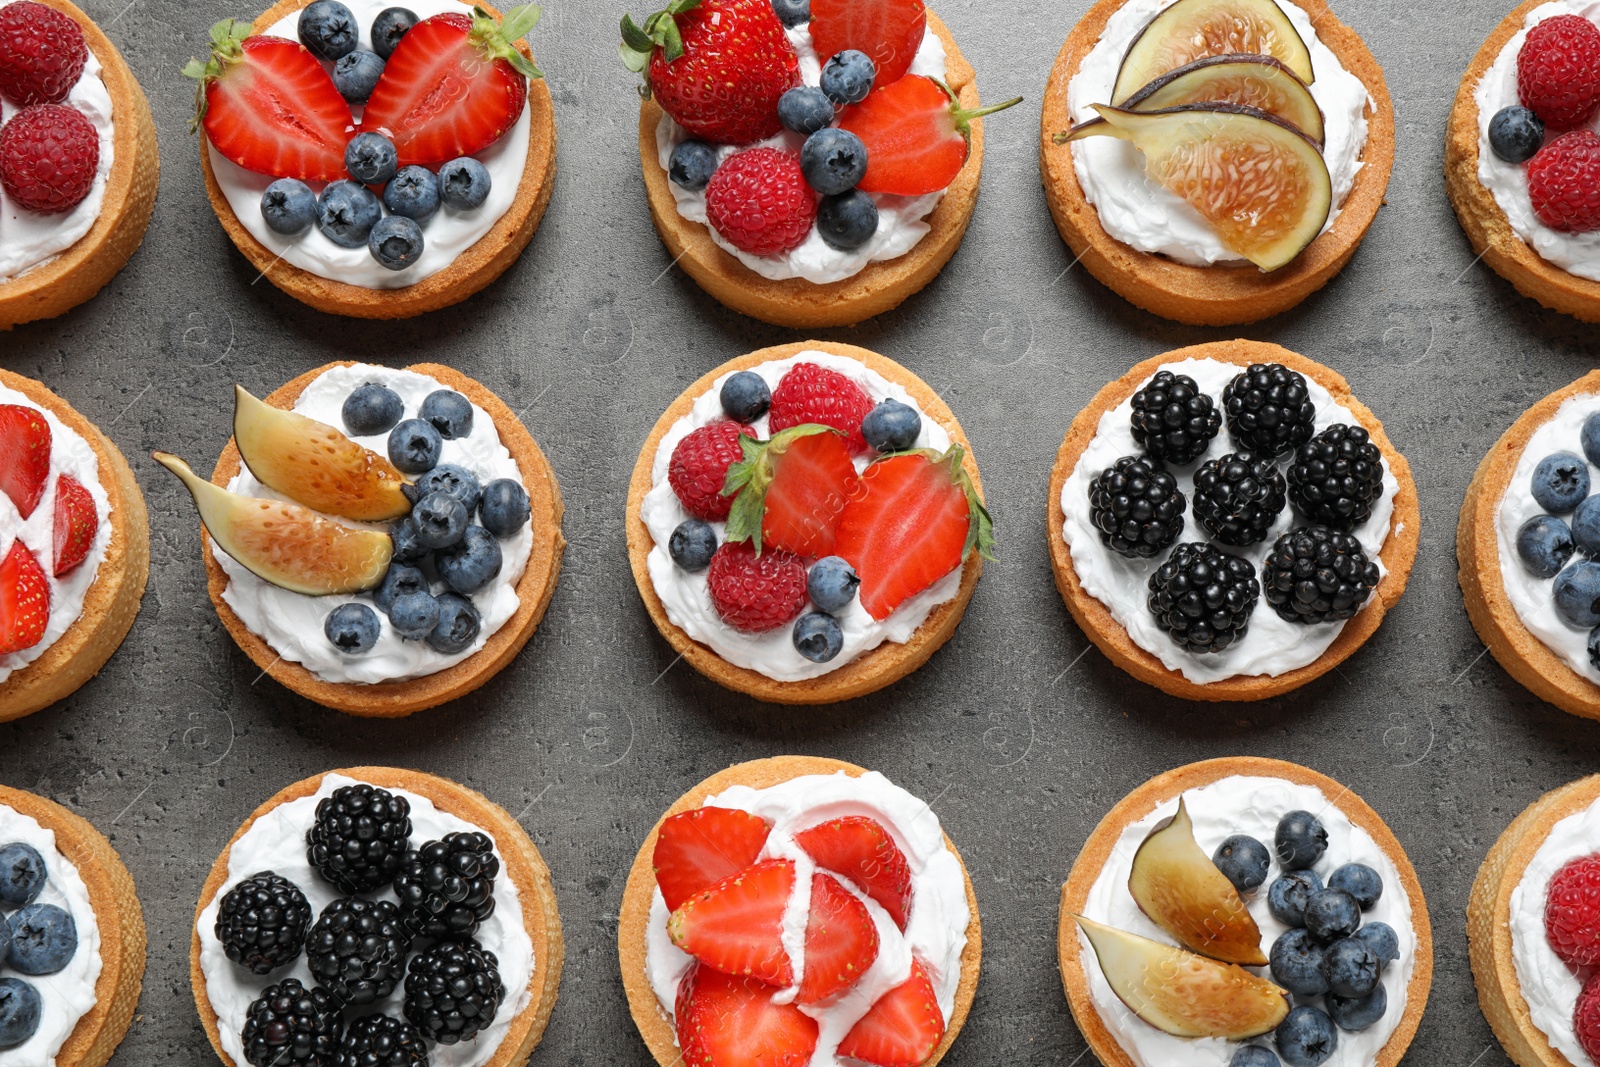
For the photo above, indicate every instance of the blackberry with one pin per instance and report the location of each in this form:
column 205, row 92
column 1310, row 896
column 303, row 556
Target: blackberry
column 1315, row 574
column 1203, row 597
column 1269, row 410
column 447, row 887
column 357, row 950
column 360, row 835
column 1336, row 476
column 382, row 1041
column 453, row 991
column 262, row 922
column 1137, row 507
column 1238, row 497
column 292, row 1026
column 1173, row 419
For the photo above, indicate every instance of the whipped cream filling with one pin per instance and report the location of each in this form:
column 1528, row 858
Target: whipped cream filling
column 70, row 454
column 1575, row 253
column 901, row 219
column 1144, row 214
column 1252, row 806
column 448, row 234
column 936, row 930
column 1272, row 645
column 292, row 623
column 30, row 239
column 277, row 842
column 687, row 597
column 68, row 995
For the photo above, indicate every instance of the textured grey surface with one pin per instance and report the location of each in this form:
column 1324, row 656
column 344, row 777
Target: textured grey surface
column 1019, row 732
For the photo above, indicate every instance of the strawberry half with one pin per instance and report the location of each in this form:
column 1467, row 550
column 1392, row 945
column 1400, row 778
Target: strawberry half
column 268, row 105
column 736, row 926
column 902, row 1029
column 697, row 849
column 724, row 1021
column 917, row 518
column 24, row 456
column 791, row 490
column 76, row 523
column 453, row 86
column 841, row 941
column 918, row 136
column 24, row 600
column 889, row 31
column 860, row 849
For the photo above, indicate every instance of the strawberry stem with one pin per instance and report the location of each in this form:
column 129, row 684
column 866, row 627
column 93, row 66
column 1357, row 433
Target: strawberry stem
column 498, row 40
column 227, row 45
column 660, row 30
column 962, row 117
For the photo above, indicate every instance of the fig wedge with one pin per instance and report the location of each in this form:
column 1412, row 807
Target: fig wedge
column 1183, row 994
column 1194, row 29
column 1261, row 82
column 1175, row 883
column 315, row 464
column 287, row 545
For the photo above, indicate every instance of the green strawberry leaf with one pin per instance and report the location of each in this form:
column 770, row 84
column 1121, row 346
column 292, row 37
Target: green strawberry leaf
column 498, row 40
column 749, row 479
column 227, row 45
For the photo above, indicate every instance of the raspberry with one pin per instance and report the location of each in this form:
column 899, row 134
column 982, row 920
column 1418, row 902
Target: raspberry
column 1586, row 1018
column 699, row 469
column 760, row 203
column 1564, row 182
column 812, row 394
column 48, row 156
column 1572, row 912
column 754, row 593
column 1558, row 71
column 42, row 53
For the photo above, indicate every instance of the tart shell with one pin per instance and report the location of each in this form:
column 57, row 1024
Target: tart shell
column 112, row 600
column 1398, row 555
column 654, row 1025
column 1217, row 295
column 471, row 271
column 795, row 302
column 1163, row 788
column 874, row 670
column 523, row 865
column 389, row 700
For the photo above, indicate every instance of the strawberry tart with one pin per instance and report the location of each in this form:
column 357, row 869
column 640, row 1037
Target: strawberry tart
column 806, row 524
column 833, row 177
column 1149, row 97
column 375, row 161
column 379, row 540
column 799, row 911
column 78, row 160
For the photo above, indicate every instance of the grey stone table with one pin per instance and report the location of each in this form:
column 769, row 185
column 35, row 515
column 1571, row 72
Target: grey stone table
column 1019, row 732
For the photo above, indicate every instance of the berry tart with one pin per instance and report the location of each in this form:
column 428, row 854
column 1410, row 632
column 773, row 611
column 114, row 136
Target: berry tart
column 799, row 911
column 1522, row 158
column 67, row 96
column 379, row 540
column 836, row 179
column 1245, row 913
column 375, row 915
column 1147, row 95
column 76, row 546
column 335, row 170
column 72, row 938
column 1227, row 522
column 806, row 524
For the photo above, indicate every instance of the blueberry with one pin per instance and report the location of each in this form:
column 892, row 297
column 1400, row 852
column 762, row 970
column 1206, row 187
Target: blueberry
column 458, row 626
column 289, row 207
column 1382, row 940
column 400, row 580
column 692, row 165
column 1544, row 544
column 1306, row 1037
column 817, row 637
column 1301, row 840
column 5, row 940
column 1243, row 861
column 1358, row 1013
column 805, row 109
column 464, row 183
column 472, row 564
column 396, row 242
column 1288, row 895
column 414, row 615
column 832, row 584
column 371, row 158
column 1332, row 914
column 347, row 212
column 441, row 520
column 847, row 221
column 413, row 193
column 352, row 628
column 1589, row 436
column 892, row 426
column 1593, row 647
column 1352, row 968
column 1577, row 591
column 408, row 546
column 847, row 77
column 414, row 446
column 21, row 1009
column 745, row 396
column 456, row 481
column 450, row 413
column 1585, row 527
column 1360, row 881
column 391, row 24
column 833, row 161
column 505, row 508
column 43, row 939
column 793, row 13
column 357, row 74
column 22, row 875
column 1560, row 482
column 1299, row 964
column 372, row 409
column 1515, row 134
column 692, row 545
column 329, row 29
column 1254, row 1056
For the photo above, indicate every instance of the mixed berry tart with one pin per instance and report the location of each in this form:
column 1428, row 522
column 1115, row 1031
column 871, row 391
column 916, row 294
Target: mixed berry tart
column 379, row 540
column 1148, row 98
column 74, row 547
column 78, row 160
column 835, row 174
column 1227, row 522
column 377, row 916
column 806, row 524
column 799, row 911
column 377, row 161
column 1245, row 912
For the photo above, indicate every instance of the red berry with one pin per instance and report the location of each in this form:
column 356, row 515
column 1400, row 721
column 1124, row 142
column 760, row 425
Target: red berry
column 42, row 53
column 1586, row 1018
column 889, row 31
column 1558, row 71
column 1572, row 912
column 809, row 393
column 76, row 523
column 24, row 456
column 754, row 593
column 697, row 849
column 24, row 600
column 1564, row 182
column 48, row 156
column 699, row 468
column 760, row 202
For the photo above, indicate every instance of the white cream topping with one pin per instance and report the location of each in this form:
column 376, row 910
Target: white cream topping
column 277, row 842
column 1147, row 216
column 1272, row 645
column 292, row 623
column 68, row 995
column 687, row 597
column 1251, row 806
column 900, row 218
column 445, row 236
column 936, row 930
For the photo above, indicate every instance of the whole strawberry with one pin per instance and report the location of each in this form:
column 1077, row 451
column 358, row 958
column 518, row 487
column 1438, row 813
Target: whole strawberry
column 760, row 203
column 756, row 593
column 1564, row 182
column 42, row 53
column 1572, row 912
column 811, row 393
column 698, row 470
column 1558, row 71
column 48, row 157
column 717, row 67
column 1586, row 1018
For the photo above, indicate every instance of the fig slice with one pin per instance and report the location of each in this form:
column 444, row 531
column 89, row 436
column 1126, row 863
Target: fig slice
column 1194, row 29
column 1175, row 883
column 1261, row 82
column 315, row 464
column 287, row 545
column 1181, row 993
column 1260, row 182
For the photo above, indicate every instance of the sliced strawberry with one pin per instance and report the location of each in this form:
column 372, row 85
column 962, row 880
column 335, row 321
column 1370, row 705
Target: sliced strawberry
column 76, row 523
column 918, row 136
column 791, row 490
column 24, row 600
column 841, row 941
column 725, row 1021
column 24, row 456
column 736, row 926
column 889, row 31
column 697, row 849
column 860, row 849
column 902, row 1029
